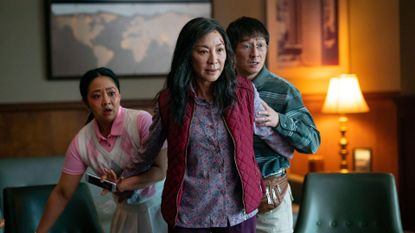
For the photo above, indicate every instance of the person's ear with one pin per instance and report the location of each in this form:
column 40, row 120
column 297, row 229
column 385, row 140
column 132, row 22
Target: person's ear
column 86, row 104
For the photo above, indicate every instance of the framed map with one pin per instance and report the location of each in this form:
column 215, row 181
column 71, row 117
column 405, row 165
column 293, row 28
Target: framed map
column 134, row 38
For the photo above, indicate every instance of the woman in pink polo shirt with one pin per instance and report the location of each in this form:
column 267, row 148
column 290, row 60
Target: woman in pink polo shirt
column 107, row 143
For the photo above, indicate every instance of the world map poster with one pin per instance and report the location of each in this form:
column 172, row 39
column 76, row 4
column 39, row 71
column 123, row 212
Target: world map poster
column 133, row 39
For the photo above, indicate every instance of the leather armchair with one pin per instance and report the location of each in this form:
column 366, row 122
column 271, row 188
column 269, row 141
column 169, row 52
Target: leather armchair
column 349, row 203
column 23, row 208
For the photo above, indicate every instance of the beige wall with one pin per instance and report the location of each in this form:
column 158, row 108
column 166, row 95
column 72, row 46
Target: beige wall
column 374, row 50
column 225, row 11
column 374, row 44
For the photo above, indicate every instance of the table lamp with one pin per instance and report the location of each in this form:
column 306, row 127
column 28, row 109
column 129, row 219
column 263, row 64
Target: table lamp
column 344, row 96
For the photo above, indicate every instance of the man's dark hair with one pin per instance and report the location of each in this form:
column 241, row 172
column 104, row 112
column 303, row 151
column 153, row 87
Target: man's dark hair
column 246, row 27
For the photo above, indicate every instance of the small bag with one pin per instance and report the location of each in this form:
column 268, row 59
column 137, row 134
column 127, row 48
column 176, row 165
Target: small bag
column 275, row 189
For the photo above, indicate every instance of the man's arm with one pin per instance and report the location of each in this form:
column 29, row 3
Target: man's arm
column 295, row 124
column 264, row 122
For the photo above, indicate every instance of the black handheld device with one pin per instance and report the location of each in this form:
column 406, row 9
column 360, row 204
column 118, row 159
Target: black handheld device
column 106, row 184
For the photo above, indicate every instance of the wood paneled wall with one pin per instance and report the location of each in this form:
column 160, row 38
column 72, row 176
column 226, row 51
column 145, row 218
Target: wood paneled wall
column 46, row 128
column 376, row 130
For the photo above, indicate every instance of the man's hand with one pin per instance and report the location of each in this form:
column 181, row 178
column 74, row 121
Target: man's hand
column 267, row 117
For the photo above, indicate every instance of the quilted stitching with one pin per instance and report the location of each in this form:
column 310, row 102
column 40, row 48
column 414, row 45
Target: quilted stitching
column 239, row 119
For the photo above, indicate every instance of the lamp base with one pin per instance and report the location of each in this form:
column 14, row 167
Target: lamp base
column 343, row 144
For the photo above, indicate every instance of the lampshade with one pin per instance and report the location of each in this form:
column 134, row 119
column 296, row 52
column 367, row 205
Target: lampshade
column 344, row 96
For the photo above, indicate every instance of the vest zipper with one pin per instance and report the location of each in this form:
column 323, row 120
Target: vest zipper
column 236, row 165
column 185, row 167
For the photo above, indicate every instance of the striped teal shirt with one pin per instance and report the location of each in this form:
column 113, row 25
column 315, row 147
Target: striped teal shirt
column 296, row 124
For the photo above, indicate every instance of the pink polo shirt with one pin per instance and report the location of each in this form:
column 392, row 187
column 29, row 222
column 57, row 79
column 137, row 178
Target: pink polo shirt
column 75, row 165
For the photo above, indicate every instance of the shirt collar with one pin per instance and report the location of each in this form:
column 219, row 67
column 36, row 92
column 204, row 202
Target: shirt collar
column 198, row 100
column 258, row 80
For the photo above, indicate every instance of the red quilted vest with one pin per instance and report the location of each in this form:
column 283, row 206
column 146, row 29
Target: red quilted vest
column 239, row 120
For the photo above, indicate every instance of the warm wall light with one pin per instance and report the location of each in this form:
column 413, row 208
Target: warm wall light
column 344, row 96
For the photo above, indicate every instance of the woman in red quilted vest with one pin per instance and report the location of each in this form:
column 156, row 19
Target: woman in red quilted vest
column 207, row 114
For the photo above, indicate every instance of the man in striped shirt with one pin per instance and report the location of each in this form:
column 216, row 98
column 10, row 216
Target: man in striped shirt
column 284, row 112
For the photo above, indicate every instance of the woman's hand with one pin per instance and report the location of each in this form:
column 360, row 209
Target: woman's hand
column 110, row 175
column 121, row 192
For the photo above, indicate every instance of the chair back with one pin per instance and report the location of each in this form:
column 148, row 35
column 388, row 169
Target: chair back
column 23, row 208
column 349, row 203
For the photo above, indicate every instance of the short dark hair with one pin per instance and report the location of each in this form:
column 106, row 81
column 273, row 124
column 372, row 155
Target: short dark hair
column 246, row 27
column 90, row 75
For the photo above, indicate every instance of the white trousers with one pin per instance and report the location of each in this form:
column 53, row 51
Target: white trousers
column 142, row 218
column 278, row 220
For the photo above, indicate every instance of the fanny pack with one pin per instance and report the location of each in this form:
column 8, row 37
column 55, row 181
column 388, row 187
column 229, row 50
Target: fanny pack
column 275, row 189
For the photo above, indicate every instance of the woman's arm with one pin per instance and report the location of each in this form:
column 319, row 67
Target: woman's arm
column 57, row 201
column 156, row 173
column 152, row 144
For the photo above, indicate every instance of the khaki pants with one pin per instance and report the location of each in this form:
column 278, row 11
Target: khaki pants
column 279, row 220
